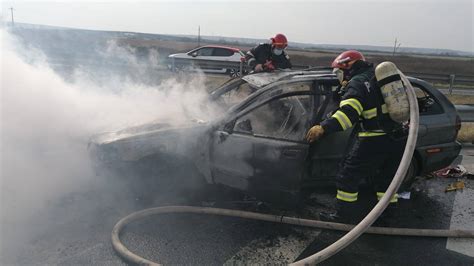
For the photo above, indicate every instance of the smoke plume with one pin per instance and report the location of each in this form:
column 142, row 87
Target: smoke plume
column 46, row 122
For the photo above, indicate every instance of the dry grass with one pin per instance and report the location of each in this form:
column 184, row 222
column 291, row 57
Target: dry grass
column 461, row 99
column 466, row 134
column 406, row 63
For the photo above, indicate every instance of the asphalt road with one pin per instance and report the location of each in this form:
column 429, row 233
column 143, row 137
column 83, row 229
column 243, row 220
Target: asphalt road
column 75, row 230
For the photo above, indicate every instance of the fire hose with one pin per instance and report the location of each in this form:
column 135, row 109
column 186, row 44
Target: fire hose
column 354, row 231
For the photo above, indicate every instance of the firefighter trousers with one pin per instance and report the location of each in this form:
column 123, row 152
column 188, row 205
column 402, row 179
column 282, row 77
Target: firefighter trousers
column 374, row 158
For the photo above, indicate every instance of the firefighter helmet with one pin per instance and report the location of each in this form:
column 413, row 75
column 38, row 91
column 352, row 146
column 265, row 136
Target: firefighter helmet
column 347, row 59
column 279, row 41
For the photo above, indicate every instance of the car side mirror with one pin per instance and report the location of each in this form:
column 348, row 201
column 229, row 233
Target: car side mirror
column 194, row 54
column 229, row 127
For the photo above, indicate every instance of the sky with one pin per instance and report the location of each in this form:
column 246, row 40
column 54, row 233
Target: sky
column 446, row 24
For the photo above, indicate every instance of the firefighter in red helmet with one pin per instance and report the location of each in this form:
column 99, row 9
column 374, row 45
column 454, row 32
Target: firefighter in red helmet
column 375, row 151
column 269, row 56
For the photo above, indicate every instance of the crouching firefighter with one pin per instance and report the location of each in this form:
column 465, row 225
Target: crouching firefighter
column 375, row 150
column 269, row 56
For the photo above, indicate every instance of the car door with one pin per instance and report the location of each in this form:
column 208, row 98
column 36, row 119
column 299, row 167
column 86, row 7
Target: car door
column 211, row 59
column 201, row 54
column 204, row 53
column 262, row 149
column 326, row 153
column 225, row 60
column 222, row 54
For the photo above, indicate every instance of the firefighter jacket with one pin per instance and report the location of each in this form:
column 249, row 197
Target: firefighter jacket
column 263, row 53
column 361, row 102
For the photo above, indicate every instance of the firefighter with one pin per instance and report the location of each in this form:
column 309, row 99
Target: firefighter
column 374, row 153
column 269, row 56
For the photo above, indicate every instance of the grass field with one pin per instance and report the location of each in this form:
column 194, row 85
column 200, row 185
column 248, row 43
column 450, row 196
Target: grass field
column 466, row 134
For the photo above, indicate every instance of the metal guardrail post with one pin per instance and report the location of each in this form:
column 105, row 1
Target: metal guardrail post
column 451, row 83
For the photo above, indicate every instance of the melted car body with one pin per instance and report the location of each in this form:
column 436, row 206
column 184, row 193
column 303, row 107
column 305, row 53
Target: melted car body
column 257, row 145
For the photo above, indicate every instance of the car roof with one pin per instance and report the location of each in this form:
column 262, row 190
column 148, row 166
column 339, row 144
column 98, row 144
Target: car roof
column 262, row 79
column 220, row 46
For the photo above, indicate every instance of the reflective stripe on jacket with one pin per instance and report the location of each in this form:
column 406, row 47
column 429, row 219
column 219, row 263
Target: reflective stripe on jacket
column 359, row 105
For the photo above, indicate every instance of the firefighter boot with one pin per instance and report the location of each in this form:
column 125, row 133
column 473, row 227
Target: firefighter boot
column 345, row 212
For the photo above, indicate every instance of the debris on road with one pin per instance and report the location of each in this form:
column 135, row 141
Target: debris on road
column 457, row 171
column 404, row 195
column 458, row 185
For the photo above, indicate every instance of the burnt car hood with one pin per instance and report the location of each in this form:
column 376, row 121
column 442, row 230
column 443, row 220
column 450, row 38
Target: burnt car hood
column 135, row 143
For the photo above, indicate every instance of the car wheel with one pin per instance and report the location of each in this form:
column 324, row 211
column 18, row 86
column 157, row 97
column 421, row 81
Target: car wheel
column 410, row 175
column 233, row 73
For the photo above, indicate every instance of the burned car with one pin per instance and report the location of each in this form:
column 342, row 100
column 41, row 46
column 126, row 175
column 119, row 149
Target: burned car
column 257, row 145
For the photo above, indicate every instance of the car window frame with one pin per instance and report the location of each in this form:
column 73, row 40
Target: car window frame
column 230, row 51
column 426, row 91
column 190, row 53
column 230, row 123
column 273, row 99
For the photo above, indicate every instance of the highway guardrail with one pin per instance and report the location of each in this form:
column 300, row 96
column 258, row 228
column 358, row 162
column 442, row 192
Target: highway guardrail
column 466, row 112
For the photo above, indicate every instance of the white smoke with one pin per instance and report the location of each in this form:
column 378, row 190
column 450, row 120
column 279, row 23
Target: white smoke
column 46, row 123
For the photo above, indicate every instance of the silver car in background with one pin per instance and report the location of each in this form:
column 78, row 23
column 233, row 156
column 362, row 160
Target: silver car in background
column 207, row 59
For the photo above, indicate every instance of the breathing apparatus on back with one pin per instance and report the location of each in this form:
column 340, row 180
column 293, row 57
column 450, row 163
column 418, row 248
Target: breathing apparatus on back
column 388, row 79
column 393, row 91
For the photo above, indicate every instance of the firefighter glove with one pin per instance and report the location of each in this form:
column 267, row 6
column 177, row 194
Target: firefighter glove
column 314, row 133
column 269, row 66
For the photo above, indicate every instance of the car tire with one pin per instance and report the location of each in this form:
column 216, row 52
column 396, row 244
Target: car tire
column 410, row 176
column 233, row 72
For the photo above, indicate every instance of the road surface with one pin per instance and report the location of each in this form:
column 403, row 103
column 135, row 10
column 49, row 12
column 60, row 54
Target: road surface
column 75, row 230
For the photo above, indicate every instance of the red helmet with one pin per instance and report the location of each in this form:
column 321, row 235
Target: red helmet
column 346, row 59
column 279, row 41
